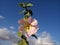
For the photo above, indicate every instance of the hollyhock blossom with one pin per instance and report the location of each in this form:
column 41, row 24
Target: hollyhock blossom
column 28, row 26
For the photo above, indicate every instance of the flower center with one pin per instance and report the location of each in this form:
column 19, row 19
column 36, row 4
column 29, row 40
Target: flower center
column 26, row 26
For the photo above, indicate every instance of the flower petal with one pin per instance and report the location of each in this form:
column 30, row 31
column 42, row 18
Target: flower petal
column 34, row 22
column 31, row 31
column 31, row 23
column 30, row 20
column 21, row 21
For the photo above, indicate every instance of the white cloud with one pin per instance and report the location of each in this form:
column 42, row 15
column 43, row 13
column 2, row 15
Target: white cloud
column 44, row 39
column 1, row 17
column 12, row 27
column 14, row 43
column 10, row 37
column 4, row 33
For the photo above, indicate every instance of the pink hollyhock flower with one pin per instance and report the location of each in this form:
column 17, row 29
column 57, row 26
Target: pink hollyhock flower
column 28, row 27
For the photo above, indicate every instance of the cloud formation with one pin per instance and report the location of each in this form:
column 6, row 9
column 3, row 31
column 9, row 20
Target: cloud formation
column 44, row 39
column 1, row 17
column 8, row 35
column 11, row 38
column 12, row 27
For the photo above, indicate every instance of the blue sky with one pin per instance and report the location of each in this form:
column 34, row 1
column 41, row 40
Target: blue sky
column 45, row 11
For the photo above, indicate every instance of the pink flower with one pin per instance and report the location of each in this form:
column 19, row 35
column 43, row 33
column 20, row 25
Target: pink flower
column 28, row 27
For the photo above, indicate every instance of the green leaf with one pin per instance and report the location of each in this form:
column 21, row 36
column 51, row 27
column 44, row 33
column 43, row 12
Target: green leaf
column 19, row 34
column 30, row 11
column 29, row 4
column 34, row 36
column 22, row 42
column 22, row 4
column 22, row 11
column 26, row 16
column 25, row 4
column 23, row 37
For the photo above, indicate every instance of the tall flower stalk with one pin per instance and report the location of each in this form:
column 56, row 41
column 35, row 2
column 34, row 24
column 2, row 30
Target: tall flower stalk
column 28, row 25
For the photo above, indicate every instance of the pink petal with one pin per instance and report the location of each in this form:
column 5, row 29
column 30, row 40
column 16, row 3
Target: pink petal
column 31, row 31
column 30, row 20
column 34, row 22
column 21, row 29
column 21, row 21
